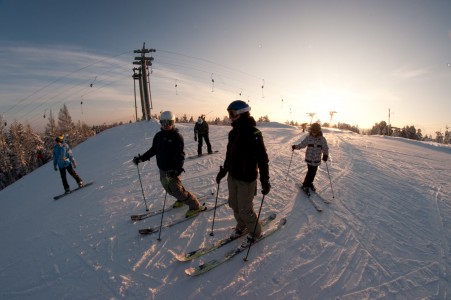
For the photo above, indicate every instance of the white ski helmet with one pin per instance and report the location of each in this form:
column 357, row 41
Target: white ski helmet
column 167, row 118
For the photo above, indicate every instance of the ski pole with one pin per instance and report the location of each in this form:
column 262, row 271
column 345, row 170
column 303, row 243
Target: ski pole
column 288, row 171
column 162, row 214
column 139, row 175
column 255, row 228
column 333, row 196
column 214, row 212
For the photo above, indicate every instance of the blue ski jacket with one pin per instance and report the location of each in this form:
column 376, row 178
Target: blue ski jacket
column 62, row 156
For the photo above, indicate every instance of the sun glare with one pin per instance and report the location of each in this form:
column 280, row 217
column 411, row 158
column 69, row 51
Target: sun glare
column 323, row 100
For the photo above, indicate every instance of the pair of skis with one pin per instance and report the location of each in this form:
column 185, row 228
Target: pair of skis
column 149, row 214
column 207, row 266
column 155, row 229
column 314, row 203
column 204, row 250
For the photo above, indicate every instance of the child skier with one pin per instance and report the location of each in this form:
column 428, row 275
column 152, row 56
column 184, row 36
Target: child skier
column 316, row 145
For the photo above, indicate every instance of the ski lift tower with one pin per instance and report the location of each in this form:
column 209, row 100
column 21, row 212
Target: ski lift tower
column 311, row 115
column 389, row 121
column 137, row 76
column 144, row 62
column 331, row 116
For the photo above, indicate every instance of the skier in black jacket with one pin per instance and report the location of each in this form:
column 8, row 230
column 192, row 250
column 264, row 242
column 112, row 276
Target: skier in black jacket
column 200, row 134
column 168, row 146
column 246, row 156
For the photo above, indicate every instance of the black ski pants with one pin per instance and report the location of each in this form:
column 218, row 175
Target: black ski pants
column 72, row 172
column 310, row 176
column 200, row 143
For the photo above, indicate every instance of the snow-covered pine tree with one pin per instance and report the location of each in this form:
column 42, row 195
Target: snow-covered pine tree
column 5, row 163
column 65, row 124
column 33, row 146
column 50, row 132
column 16, row 153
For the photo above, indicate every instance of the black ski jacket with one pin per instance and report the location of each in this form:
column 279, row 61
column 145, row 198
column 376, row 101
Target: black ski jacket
column 201, row 129
column 246, row 153
column 168, row 146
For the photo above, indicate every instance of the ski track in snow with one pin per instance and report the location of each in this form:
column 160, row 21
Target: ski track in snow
column 385, row 235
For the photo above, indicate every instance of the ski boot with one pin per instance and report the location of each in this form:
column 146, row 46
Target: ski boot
column 194, row 212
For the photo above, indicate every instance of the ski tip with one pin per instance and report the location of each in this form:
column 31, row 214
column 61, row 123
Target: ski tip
column 190, row 271
column 181, row 257
column 146, row 231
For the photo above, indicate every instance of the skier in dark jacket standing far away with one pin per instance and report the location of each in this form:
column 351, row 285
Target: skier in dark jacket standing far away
column 245, row 157
column 64, row 160
column 168, row 147
column 200, row 134
column 316, row 145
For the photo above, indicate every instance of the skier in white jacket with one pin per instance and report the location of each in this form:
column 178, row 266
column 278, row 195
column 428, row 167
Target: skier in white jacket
column 316, row 145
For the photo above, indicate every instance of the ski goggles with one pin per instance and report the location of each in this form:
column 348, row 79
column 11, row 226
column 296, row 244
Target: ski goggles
column 166, row 122
column 235, row 112
column 232, row 114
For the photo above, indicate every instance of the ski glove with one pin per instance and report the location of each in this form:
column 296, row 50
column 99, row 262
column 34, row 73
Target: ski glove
column 74, row 164
column 137, row 159
column 56, row 169
column 175, row 173
column 325, row 157
column 221, row 174
column 195, row 138
column 266, row 187
column 293, row 147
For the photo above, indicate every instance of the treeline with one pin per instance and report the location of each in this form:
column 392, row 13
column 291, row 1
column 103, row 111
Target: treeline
column 409, row 132
column 342, row 126
column 382, row 128
column 22, row 150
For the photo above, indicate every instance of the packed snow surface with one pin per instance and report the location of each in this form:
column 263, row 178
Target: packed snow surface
column 385, row 235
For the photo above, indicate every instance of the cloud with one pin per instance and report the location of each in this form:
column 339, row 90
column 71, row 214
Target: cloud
column 409, row 73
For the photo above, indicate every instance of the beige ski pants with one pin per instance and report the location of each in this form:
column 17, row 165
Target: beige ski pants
column 241, row 196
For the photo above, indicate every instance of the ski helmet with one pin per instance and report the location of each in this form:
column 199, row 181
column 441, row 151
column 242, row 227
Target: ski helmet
column 167, row 118
column 315, row 128
column 237, row 107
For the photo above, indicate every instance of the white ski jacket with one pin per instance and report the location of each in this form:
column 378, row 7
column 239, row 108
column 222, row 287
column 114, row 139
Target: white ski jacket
column 315, row 147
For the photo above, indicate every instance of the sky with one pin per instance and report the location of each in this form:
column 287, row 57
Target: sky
column 366, row 61
column 385, row 235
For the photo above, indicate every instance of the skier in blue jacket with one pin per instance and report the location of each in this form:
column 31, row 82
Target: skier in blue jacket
column 64, row 160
